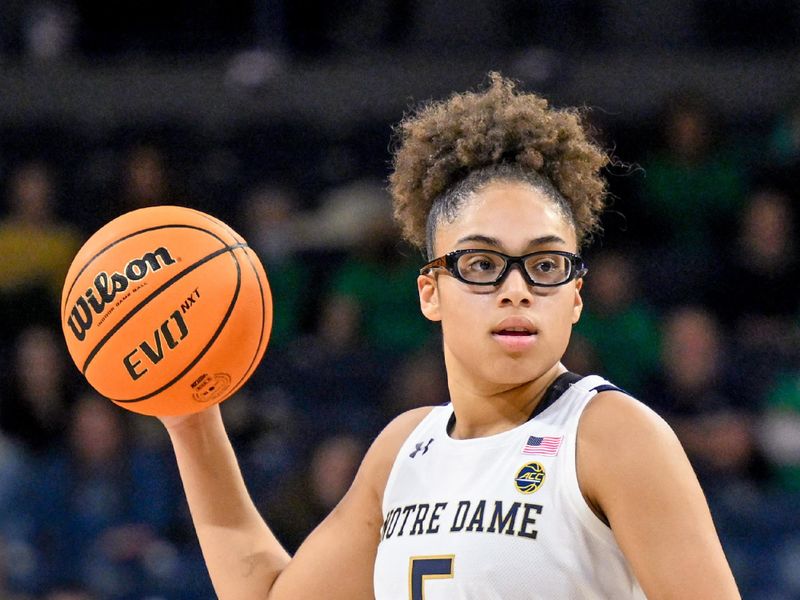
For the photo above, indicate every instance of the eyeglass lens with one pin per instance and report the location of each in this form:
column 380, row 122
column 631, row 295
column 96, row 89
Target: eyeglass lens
column 486, row 267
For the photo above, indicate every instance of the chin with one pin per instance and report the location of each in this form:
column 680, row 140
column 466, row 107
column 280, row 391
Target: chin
column 515, row 370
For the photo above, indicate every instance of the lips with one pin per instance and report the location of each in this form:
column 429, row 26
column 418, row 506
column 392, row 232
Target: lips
column 515, row 326
column 515, row 334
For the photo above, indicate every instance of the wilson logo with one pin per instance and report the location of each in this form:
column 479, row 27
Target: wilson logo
column 107, row 287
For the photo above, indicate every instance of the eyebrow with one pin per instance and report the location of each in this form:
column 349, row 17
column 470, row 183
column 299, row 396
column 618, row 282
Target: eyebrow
column 490, row 241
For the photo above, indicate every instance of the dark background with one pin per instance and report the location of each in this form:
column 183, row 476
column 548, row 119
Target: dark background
column 277, row 117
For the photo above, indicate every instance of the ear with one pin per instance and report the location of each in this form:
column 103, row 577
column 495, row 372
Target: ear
column 577, row 306
column 428, row 297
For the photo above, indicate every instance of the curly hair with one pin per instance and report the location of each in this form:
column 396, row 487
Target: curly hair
column 449, row 148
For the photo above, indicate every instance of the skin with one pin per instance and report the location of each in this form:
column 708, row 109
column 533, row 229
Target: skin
column 494, row 388
column 644, row 489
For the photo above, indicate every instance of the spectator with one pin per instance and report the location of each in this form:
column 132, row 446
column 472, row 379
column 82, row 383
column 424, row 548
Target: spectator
column 756, row 293
column 784, row 139
column 692, row 393
column 37, row 395
column 621, row 328
column 8, row 591
column 263, row 421
column 145, row 181
column 268, row 220
column 692, row 188
column 39, row 30
column 338, row 375
column 379, row 276
column 778, row 169
column 779, row 434
column 317, row 486
column 37, row 249
column 49, row 30
column 16, row 573
column 13, row 466
column 419, row 380
column 102, row 506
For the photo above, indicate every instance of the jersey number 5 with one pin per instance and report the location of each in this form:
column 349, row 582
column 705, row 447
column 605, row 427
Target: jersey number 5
column 421, row 568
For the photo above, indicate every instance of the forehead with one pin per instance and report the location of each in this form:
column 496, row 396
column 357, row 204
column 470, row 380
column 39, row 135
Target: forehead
column 513, row 213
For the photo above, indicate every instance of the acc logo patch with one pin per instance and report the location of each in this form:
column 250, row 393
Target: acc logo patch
column 529, row 478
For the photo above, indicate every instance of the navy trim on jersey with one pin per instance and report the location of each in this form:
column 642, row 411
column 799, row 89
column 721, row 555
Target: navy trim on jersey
column 559, row 386
column 607, row 387
column 553, row 393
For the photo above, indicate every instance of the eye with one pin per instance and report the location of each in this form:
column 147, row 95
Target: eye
column 545, row 265
column 548, row 268
column 480, row 267
column 480, row 263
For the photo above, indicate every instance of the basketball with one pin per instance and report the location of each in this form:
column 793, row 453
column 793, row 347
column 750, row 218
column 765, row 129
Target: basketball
column 166, row 311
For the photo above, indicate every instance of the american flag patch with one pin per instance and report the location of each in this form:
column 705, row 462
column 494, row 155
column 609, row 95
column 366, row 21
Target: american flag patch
column 543, row 446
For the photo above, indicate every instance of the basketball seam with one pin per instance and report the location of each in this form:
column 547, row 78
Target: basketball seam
column 149, row 298
column 122, row 239
column 222, row 224
column 210, row 342
column 250, row 369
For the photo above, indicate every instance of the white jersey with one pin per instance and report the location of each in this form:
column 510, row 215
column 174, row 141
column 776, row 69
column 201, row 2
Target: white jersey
column 497, row 517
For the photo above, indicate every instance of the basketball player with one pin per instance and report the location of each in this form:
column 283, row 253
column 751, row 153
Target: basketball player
column 534, row 482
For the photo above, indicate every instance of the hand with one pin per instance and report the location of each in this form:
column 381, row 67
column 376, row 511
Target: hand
column 176, row 422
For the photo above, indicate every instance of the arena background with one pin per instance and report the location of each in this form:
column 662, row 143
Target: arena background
column 276, row 116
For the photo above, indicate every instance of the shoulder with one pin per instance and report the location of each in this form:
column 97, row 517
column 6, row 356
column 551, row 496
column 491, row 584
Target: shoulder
column 616, row 426
column 620, row 440
column 388, row 442
column 635, row 476
column 381, row 455
column 613, row 411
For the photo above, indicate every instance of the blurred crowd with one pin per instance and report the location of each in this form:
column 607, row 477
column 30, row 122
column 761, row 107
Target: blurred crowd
column 692, row 305
column 44, row 30
column 692, row 297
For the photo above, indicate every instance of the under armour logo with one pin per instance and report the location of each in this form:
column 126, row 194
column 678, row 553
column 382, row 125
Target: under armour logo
column 421, row 447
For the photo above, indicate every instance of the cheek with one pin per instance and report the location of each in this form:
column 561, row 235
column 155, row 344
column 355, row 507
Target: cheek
column 456, row 315
column 556, row 317
column 564, row 311
column 463, row 314
column 568, row 315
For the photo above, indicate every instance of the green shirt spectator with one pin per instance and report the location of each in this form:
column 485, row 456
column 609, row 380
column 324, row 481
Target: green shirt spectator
column 387, row 295
column 780, row 431
column 693, row 186
column 622, row 331
column 626, row 344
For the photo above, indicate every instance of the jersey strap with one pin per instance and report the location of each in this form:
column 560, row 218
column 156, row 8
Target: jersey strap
column 607, row 387
column 558, row 387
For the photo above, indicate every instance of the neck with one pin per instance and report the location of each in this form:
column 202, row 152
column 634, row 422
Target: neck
column 486, row 409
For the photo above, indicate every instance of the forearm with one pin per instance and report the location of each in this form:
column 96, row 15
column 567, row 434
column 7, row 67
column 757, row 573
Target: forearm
column 241, row 553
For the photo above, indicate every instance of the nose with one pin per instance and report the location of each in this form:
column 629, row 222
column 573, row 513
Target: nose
column 514, row 289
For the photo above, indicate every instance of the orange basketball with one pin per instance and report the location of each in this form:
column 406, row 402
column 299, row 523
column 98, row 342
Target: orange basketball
column 166, row 310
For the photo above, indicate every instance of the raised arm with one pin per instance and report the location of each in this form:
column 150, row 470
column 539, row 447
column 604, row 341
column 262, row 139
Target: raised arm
column 634, row 472
column 243, row 557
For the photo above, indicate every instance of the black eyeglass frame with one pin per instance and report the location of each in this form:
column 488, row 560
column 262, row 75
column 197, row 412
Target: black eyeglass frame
column 449, row 263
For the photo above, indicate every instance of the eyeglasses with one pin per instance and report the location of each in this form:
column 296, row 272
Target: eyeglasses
column 548, row 268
